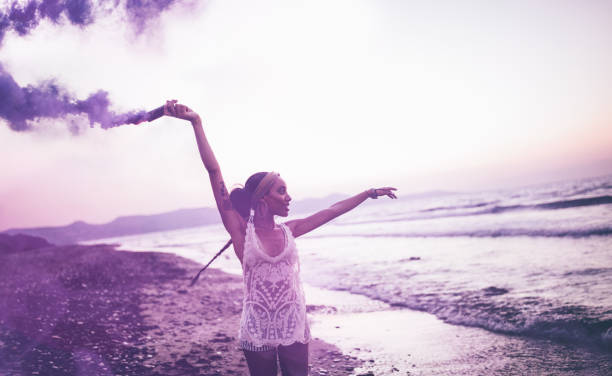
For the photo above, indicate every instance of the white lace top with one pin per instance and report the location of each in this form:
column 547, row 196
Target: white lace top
column 274, row 308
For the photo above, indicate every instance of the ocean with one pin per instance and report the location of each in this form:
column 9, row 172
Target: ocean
column 532, row 263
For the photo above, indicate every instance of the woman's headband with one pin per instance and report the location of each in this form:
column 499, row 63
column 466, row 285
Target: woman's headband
column 264, row 186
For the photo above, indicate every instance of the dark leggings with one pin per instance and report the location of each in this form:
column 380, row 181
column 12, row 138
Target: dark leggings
column 293, row 360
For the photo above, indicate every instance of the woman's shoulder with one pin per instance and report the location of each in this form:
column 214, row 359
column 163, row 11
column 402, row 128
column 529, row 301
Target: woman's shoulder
column 290, row 225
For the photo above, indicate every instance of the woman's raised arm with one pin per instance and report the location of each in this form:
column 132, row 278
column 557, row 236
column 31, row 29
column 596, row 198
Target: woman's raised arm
column 231, row 219
column 302, row 226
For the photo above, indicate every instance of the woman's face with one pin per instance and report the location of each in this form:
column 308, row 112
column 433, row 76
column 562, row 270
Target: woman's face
column 278, row 199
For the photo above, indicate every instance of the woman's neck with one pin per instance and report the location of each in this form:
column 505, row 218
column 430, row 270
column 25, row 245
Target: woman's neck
column 264, row 221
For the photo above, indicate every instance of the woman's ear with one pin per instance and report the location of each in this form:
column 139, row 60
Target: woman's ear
column 261, row 207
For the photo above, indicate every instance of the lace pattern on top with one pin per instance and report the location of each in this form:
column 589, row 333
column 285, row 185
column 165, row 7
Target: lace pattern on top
column 274, row 308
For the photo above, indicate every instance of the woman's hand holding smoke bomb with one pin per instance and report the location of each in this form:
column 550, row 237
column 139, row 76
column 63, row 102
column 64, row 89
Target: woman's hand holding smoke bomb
column 174, row 109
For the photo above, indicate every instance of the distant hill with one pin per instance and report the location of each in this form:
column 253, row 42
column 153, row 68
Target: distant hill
column 183, row 218
column 138, row 224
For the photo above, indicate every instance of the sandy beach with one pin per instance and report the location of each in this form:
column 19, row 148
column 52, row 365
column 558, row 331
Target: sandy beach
column 97, row 310
column 92, row 310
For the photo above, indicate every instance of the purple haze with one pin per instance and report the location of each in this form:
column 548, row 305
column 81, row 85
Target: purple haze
column 140, row 11
column 24, row 18
column 49, row 100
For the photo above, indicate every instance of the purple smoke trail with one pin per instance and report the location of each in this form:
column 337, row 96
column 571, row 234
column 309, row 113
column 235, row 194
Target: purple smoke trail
column 48, row 100
column 140, row 11
column 18, row 105
column 24, row 18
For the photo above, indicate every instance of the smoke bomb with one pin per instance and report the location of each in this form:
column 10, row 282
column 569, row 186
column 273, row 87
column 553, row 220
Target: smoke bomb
column 146, row 116
column 155, row 114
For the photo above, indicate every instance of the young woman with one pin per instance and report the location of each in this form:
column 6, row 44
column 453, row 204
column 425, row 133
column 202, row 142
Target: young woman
column 273, row 323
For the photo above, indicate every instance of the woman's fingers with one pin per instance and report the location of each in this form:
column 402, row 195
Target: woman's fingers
column 386, row 191
column 172, row 108
column 180, row 111
column 169, row 108
column 389, row 192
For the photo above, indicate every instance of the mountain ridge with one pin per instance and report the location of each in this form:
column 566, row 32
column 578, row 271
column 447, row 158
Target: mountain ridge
column 139, row 224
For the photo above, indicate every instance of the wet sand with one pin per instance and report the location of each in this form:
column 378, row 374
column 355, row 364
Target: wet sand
column 93, row 310
column 398, row 341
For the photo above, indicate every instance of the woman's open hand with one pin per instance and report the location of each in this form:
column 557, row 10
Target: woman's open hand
column 384, row 191
column 177, row 110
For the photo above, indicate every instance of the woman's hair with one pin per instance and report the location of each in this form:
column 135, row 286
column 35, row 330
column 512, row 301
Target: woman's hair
column 241, row 197
column 241, row 200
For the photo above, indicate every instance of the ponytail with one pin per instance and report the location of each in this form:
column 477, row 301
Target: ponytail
column 241, row 201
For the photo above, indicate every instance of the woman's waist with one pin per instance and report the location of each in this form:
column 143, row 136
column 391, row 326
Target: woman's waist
column 274, row 302
column 262, row 290
column 251, row 261
column 271, row 276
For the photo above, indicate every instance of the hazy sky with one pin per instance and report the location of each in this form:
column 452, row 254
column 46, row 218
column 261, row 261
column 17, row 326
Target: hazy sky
column 337, row 96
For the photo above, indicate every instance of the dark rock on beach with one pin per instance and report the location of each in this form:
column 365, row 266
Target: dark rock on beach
column 20, row 243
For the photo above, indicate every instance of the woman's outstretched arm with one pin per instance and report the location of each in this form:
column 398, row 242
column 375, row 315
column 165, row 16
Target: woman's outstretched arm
column 302, row 226
column 231, row 219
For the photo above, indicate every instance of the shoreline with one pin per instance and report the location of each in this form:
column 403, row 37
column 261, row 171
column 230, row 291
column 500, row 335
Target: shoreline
column 97, row 310
column 421, row 344
column 399, row 341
